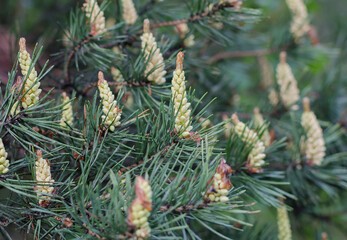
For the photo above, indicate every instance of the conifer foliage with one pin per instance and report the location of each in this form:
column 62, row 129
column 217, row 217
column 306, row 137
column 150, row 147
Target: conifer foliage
column 121, row 138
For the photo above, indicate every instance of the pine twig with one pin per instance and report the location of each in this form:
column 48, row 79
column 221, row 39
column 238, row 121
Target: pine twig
column 126, row 169
column 71, row 54
column 254, row 53
column 182, row 209
column 218, row 7
column 163, row 151
column 11, row 121
column 125, row 83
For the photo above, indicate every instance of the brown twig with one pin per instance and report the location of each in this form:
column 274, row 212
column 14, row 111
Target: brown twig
column 236, row 54
column 219, row 6
column 103, row 197
column 71, row 54
column 126, row 169
column 125, row 83
column 12, row 120
column 163, row 151
column 183, row 179
column 189, row 207
column 181, row 209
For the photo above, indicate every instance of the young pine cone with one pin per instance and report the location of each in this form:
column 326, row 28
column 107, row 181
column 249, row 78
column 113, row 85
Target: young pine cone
column 300, row 24
column 153, row 56
column 31, row 89
column 67, row 116
column 259, row 123
column 117, row 76
column 129, row 12
column 273, row 97
column 95, row 16
column 140, row 208
column 43, row 178
column 179, row 98
column 283, row 223
column 227, row 126
column 250, row 138
column 314, row 146
column 289, row 92
column 183, row 30
column 4, row 163
column 111, row 111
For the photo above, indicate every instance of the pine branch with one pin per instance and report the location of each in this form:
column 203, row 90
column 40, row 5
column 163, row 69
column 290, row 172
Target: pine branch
column 254, row 53
column 71, row 54
column 162, row 151
column 125, row 83
column 218, row 7
column 182, row 209
column 13, row 120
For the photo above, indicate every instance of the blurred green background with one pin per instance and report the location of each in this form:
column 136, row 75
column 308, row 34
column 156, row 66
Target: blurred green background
column 43, row 21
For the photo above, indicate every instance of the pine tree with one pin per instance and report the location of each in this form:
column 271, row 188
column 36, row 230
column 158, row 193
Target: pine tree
column 119, row 135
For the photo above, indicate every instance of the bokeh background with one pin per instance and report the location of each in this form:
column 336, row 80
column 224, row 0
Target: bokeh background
column 43, row 21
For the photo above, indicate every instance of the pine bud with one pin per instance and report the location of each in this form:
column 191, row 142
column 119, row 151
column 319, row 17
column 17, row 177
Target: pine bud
column 289, row 91
column 66, row 39
column 16, row 89
column 117, row 50
column 117, row 77
column 179, row 98
column 67, row 116
column 250, row 138
column 153, row 56
column 183, row 30
column 324, row 236
column 140, row 208
column 43, row 178
column 221, row 183
column 110, row 109
column 205, row 123
column 273, row 97
column 129, row 12
column 259, row 123
column 95, row 16
column 4, row 163
column 15, row 109
column 299, row 25
column 266, row 72
column 284, row 231
column 31, row 96
column 314, row 146
column 110, row 22
column 227, row 127
column 128, row 100
column 209, row 10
